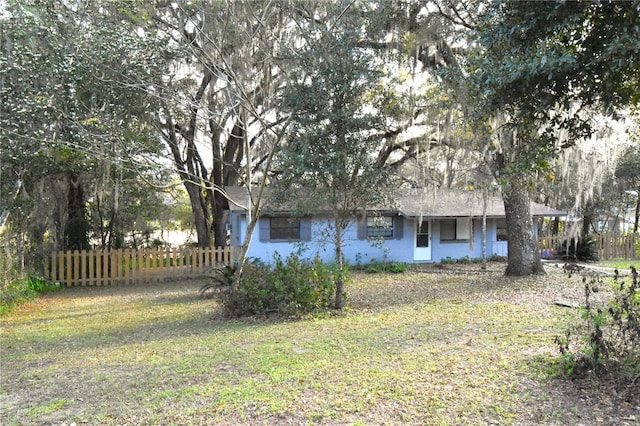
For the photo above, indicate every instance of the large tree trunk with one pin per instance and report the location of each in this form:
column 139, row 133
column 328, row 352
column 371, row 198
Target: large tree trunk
column 35, row 227
column 199, row 210
column 59, row 191
column 220, row 219
column 77, row 227
column 225, row 172
column 523, row 257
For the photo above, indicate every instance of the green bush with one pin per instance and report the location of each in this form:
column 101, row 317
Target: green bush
column 397, row 267
column 23, row 289
column 584, row 249
column 466, row 260
column 392, row 266
column 291, row 287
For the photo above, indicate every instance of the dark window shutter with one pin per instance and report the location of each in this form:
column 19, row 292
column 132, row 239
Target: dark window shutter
column 265, row 228
column 398, row 227
column 361, row 222
column 305, row 229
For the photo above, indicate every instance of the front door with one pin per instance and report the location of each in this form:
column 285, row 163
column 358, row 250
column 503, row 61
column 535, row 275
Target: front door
column 422, row 250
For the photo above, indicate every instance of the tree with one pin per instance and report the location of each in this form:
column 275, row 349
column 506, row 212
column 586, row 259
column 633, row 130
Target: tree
column 582, row 180
column 71, row 100
column 224, row 133
column 341, row 112
column 538, row 67
column 627, row 173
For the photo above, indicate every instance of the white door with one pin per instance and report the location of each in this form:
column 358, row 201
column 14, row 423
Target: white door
column 422, row 249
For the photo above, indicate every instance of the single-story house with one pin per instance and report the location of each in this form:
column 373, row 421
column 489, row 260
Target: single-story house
column 425, row 225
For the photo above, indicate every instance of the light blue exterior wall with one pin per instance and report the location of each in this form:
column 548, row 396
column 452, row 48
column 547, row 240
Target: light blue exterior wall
column 473, row 249
column 362, row 251
column 456, row 249
column 355, row 250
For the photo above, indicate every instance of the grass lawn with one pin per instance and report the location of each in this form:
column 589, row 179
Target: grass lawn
column 437, row 346
column 622, row 264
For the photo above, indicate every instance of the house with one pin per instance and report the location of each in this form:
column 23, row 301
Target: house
column 616, row 224
column 425, row 225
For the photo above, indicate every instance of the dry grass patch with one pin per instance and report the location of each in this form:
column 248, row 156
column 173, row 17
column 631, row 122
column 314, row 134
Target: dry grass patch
column 451, row 346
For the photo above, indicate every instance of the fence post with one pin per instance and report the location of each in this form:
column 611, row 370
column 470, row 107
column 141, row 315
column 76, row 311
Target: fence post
column 196, row 252
column 99, row 267
column 67, row 269
column 105, row 267
column 132, row 265
column 159, row 264
column 82, row 261
column 147, row 264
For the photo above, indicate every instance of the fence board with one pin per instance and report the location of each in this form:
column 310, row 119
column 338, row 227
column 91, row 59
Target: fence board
column 172, row 258
column 608, row 245
column 109, row 267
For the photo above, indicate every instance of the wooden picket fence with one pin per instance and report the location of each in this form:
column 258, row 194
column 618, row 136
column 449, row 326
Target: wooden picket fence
column 107, row 267
column 608, row 245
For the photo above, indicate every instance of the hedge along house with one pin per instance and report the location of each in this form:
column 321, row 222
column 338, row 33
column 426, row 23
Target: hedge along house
column 424, row 225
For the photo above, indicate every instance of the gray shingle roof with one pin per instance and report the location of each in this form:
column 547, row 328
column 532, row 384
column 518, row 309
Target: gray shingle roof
column 432, row 203
column 427, row 203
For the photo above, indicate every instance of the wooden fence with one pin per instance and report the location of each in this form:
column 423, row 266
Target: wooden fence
column 608, row 245
column 105, row 267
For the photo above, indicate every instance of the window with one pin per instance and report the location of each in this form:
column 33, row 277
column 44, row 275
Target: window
column 455, row 229
column 284, row 228
column 380, row 227
column 501, row 230
column 448, row 230
column 422, row 236
column 281, row 229
column 386, row 227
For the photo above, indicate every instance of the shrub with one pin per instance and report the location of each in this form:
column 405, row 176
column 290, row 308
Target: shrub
column 23, row 289
column 221, row 279
column 584, row 249
column 291, row 287
column 465, row 260
column 497, row 258
column 608, row 337
column 395, row 267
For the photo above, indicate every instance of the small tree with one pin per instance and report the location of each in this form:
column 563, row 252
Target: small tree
column 338, row 104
